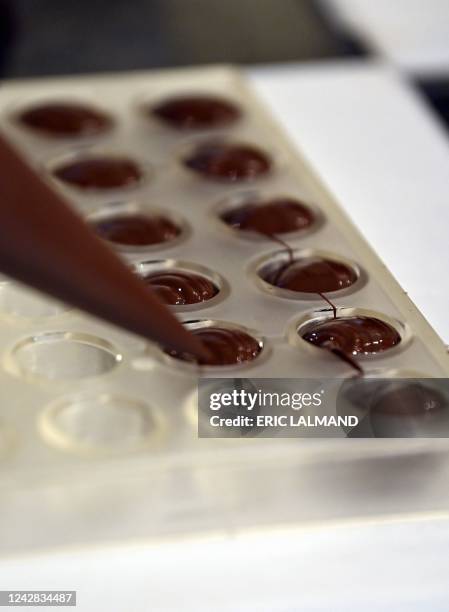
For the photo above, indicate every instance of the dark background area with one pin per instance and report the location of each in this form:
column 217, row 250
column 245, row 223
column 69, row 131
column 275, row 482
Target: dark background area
column 53, row 37
column 43, row 37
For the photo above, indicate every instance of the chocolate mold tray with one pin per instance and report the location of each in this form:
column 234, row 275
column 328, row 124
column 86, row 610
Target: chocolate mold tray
column 83, row 401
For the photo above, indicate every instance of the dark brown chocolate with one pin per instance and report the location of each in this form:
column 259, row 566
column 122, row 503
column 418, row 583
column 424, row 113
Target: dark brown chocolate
column 196, row 112
column 228, row 162
column 99, row 173
column 276, row 216
column 226, row 347
column 63, row 119
column 51, row 248
column 177, row 287
column 309, row 275
column 354, row 335
column 409, row 399
column 136, row 229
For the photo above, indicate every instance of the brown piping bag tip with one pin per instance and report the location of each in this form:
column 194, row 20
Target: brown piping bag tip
column 45, row 244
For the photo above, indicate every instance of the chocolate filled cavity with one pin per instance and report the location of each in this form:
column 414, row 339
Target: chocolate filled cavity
column 309, row 275
column 63, row 119
column 228, row 162
column 354, row 335
column 178, row 287
column 226, row 347
column 196, row 112
column 409, row 399
column 99, row 173
column 276, row 216
column 136, row 229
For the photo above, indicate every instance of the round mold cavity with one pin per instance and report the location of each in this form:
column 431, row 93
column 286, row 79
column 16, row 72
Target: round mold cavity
column 186, row 366
column 192, row 111
column 133, row 209
column 262, row 264
column 18, row 302
column 100, row 424
column 256, row 198
column 395, row 406
column 300, row 325
column 144, row 268
column 62, row 356
column 79, row 156
column 267, row 156
column 100, row 124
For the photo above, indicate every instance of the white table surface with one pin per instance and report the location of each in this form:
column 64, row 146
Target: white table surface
column 387, row 161
column 412, row 34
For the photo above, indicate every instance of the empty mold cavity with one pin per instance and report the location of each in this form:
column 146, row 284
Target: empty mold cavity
column 105, row 423
column 62, row 356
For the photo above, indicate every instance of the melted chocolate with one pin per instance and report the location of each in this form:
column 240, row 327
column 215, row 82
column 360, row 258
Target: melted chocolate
column 352, row 335
column 228, row 162
column 277, row 216
column 176, row 287
column 61, row 119
column 196, row 112
column 409, row 399
column 226, row 347
column 136, row 229
column 313, row 275
column 100, row 173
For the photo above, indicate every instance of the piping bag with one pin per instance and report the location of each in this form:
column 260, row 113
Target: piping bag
column 45, row 244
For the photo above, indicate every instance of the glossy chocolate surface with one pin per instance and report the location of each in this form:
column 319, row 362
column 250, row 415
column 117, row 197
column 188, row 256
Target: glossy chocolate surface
column 177, row 287
column 63, row 119
column 136, row 229
column 228, row 162
column 99, row 173
column 409, row 399
column 226, row 347
column 355, row 335
column 276, row 216
column 311, row 275
column 196, row 112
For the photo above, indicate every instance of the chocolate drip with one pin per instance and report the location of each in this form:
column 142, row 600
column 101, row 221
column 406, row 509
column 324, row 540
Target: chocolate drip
column 228, row 162
column 136, row 229
column 355, row 335
column 226, row 347
column 63, row 119
column 99, row 173
column 196, row 112
column 177, row 287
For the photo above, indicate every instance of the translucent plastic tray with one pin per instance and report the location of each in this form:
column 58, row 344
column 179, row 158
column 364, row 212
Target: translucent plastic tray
column 85, row 406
